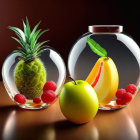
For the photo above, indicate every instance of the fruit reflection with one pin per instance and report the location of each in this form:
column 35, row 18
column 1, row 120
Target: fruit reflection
column 10, row 126
column 116, row 125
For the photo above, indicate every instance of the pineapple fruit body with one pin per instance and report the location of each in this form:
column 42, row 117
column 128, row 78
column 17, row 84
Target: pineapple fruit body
column 30, row 78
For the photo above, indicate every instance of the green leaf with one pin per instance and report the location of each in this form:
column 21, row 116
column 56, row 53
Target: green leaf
column 16, row 51
column 18, row 31
column 27, row 28
column 23, row 50
column 25, row 32
column 19, row 51
column 34, row 39
column 42, row 43
column 42, row 33
column 24, row 26
column 96, row 48
column 17, row 40
column 39, row 52
column 39, row 46
column 21, row 40
column 34, row 30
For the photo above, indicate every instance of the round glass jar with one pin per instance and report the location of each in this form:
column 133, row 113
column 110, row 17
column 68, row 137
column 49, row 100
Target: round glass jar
column 117, row 70
column 48, row 67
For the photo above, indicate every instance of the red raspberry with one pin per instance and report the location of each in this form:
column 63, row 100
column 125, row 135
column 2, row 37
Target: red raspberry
column 20, row 98
column 127, row 97
column 48, row 96
column 131, row 88
column 120, row 101
column 120, row 92
column 50, row 85
column 37, row 100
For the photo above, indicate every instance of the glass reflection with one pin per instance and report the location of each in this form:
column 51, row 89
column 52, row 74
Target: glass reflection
column 9, row 128
column 118, row 125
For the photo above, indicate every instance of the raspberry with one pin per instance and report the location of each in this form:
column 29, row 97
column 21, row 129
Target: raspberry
column 120, row 101
column 50, row 85
column 37, row 100
column 127, row 97
column 120, row 92
column 48, row 96
column 19, row 98
column 131, row 88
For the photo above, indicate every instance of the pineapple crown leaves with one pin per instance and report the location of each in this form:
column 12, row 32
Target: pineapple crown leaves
column 29, row 48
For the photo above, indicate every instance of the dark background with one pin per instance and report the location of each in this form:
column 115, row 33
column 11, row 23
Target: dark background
column 66, row 19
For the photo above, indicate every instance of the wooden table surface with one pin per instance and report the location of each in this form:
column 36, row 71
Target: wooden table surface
column 50, row 124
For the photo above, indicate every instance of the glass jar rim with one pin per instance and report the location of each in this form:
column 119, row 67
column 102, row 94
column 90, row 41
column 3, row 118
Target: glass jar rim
column 105, row 28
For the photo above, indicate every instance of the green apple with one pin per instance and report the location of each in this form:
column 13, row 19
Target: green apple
column 78, row 101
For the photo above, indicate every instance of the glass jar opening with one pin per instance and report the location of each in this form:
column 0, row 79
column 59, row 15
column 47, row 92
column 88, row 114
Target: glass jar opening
column 105, row 28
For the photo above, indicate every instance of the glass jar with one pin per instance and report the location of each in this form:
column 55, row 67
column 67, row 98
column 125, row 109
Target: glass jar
column 115, row 76
column 32, row 77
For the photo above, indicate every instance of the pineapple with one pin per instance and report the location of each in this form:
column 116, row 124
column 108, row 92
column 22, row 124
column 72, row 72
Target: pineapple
column 29, row 73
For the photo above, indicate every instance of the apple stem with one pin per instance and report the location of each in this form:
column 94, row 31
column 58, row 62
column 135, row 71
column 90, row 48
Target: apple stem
column 73, row 80
column 106, row 58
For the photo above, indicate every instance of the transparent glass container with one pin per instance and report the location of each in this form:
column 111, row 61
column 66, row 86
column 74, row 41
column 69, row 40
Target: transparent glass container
column 55, row 71
column 121, row 48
